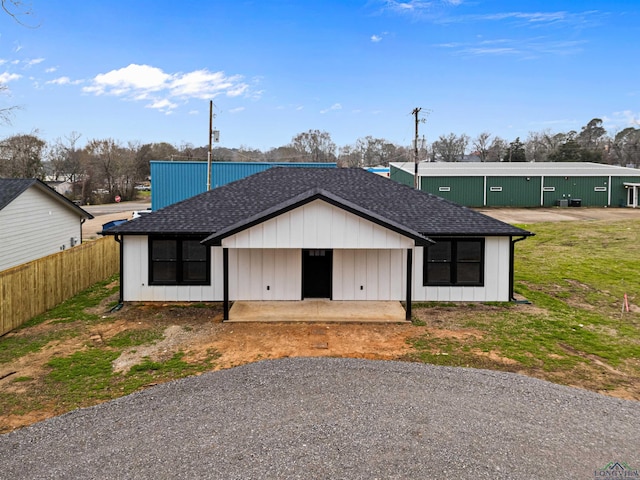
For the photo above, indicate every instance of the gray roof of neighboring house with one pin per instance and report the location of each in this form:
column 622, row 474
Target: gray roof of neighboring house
column 12, row 188
column 238, row 205
column 503, row 169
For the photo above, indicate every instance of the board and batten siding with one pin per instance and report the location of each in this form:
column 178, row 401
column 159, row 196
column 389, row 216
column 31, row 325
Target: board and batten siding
column 265, row 262
column 135, row 260
column 318, row 224
column 265, row 274
column 369, row 274
column 496, row 277
column 35, row 225
column 381, row 275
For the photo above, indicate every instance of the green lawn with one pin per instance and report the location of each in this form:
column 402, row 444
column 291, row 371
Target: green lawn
column 575, row 274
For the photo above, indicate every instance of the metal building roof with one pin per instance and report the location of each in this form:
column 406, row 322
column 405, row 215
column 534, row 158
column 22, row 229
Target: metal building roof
column 502, row 169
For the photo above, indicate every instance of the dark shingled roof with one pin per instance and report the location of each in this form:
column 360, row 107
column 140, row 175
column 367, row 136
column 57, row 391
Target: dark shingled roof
column 12, row 188
column 261, row 196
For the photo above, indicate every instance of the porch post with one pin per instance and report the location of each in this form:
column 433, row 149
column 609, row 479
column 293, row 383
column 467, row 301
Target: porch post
column 225, row 283
column 409, row 282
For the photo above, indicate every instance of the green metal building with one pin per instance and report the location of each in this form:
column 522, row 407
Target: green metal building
column 525, row 184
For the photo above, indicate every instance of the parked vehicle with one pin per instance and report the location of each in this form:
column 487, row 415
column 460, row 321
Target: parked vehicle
column 112, row 223
column 140, row 213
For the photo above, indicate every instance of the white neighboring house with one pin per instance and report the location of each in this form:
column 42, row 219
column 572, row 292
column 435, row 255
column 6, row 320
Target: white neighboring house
column 297, row 233
column 35, row 221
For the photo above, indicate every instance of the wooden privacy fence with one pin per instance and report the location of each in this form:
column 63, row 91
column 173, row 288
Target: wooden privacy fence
column 35, row 287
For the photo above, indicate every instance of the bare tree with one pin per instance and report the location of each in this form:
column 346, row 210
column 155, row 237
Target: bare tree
column 625, row 147
column 537, row 147
column 496, row 149
column 106, row 155
column 281, row 154
column 450, row 148
column 17, row 9
column 314, row 146
column 21, row 156
column 481, row 145
column 6, row 113
column 65, row 158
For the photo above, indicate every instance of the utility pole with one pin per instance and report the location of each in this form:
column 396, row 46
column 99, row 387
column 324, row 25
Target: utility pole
column 214, row 136
column 210, row 146
column 415, row 112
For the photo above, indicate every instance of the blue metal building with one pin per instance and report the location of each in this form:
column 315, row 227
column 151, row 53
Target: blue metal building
column 173, row 182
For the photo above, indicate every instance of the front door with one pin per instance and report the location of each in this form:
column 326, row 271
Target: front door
column 632, row 199
column 317, row 266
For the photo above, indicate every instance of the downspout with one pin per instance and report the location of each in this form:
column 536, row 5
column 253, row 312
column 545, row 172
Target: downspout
column 511, row 267
column 82, row 220
column 118, row 238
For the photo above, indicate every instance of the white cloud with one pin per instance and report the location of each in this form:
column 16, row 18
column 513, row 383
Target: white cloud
column 129, row 79
column 63, row 81
column 202, row 84
column 335, row 106
column 8, row 77
column 144, row 82
column 525, row 48
column 51, row 69
column 531, row 19
column 376, row 38
column 33, row 61
column 60, row 81
column 418, row 7
column 237, row 110
column 163, row 105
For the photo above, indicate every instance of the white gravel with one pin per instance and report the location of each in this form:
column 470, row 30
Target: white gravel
column 330, row 418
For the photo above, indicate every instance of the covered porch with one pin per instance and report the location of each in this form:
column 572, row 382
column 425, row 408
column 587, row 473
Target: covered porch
column 317, row 310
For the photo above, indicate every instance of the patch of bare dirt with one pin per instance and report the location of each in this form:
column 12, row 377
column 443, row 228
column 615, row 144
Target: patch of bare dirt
column 198, row 330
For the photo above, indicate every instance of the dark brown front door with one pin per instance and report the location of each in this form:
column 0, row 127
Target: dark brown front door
column 317, row 266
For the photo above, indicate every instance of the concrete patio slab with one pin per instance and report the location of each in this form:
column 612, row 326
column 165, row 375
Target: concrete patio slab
column 317, row 310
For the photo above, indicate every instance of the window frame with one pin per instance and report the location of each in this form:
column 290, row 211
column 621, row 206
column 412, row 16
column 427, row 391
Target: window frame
column 179, row 261
column 453, row 263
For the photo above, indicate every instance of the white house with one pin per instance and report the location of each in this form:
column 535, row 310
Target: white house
column 35, row 221
column 291, row 234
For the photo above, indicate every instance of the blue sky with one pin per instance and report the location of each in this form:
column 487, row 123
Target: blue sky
column 145, row 70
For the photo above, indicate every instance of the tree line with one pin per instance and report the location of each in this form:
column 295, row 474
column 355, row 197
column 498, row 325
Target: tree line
column 105, row 168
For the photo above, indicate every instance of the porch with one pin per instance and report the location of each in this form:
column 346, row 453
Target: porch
column 317, row 310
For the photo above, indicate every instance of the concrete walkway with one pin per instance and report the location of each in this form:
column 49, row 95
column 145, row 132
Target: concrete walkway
column 317, row 310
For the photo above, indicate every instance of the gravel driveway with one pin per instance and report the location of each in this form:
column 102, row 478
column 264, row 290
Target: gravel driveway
column 333, row 418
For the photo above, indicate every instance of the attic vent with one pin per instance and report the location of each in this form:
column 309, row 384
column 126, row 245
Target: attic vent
column 495, row 189
column 599, row 189
column 548, row 189
column 444, row 189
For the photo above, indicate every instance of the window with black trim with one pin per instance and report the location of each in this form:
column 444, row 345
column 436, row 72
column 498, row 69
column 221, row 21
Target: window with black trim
column 178, row 261
column 454, row 261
